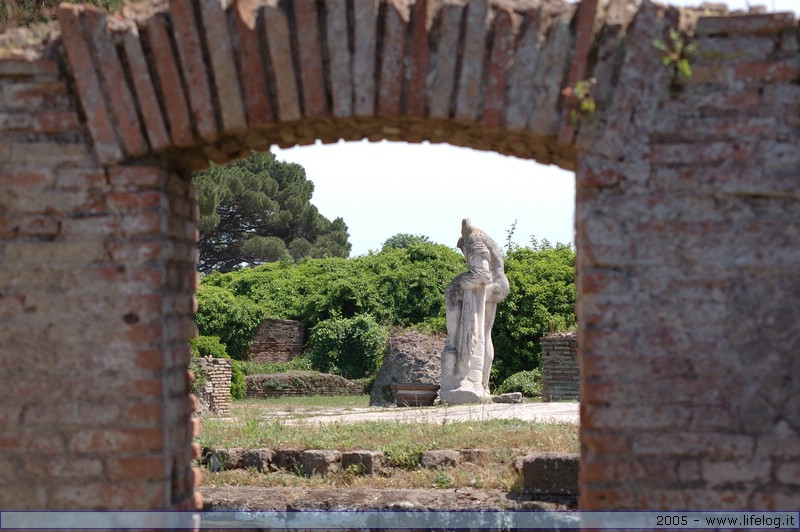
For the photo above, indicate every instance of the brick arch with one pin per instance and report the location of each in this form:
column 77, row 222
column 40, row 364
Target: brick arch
column 201, row 81
column 687, row 221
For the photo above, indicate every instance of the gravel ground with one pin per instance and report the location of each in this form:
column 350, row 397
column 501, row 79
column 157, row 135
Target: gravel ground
column 537, row 412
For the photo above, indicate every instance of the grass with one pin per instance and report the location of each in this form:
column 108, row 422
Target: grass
column 255, row 425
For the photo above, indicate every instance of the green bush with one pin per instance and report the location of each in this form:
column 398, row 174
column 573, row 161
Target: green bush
column 541, row 296
column 350, row 347
column 527, row 382
column 205, row 346
column 231, row 318
column 238, row 381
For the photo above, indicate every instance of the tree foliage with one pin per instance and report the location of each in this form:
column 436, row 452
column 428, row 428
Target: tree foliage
column 258, row 210
column 397, row 287
column 541, row 297
column 232, row 319
column 350, row 347
column 404, row 240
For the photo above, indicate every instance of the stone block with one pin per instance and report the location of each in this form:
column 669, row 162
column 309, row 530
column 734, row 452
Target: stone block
column 223, row 459
column 285, row 459
column 439, row 459
column 366, row 462
column 509, row 398
column 551, row 473
column 475, row 456
column 320, row 461
column 258, row 459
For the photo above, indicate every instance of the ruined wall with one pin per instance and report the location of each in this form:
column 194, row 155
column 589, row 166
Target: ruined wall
column 686, row 220
column 277, row 341
column 688, row 225
column 212, row 384
column 97, row 271
column 559, row 367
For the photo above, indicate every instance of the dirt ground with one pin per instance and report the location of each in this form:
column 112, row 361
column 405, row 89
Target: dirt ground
column 310, row 499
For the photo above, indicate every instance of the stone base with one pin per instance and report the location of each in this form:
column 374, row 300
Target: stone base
column 461, row 396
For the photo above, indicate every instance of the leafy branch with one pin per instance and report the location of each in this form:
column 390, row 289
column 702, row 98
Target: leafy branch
column 579, row 99
column 677, row 53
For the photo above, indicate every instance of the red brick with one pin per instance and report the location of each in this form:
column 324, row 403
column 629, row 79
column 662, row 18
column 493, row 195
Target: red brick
column 116, row 440
column 505, row 30
column 226, row 79
column 254, row 79
column 443, row 77
column 194, row 68
column 618, row 417
column 718, row 445
column 169, row 81
column 604, row 498
column 340, row 70
column 40, row 467
column 768, row 71
column 583, row 39
column 197, row 452
column 280, row 52
column 143, row 413
column 311, row 75
column 140, row 495
column 41, row 122
column 98, row 119
column 390, row 91
column 136, row 177
column 604, row 443
column 418, row 71
column 365, row 25
column 118, row 95
column 522, row 73
column 145, row 92
column 10, row 67
column 788, row 473
column 766, row 24
column 137, row 468
column 149, row 387
column 151, row 360
column 474, row 50
column 124, row 201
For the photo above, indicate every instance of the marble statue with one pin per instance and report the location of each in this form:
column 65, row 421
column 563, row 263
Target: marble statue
column 471, row 301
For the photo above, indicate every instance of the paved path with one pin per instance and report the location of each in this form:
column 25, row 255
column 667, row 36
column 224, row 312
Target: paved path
column 538, row 412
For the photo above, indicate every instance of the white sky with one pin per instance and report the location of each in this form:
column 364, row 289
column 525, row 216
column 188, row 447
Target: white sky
column 381, row 189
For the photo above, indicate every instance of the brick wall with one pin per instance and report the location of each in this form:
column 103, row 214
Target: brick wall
column 560, row 375
column 277, row 341
column 213, row 385
column 687, row 210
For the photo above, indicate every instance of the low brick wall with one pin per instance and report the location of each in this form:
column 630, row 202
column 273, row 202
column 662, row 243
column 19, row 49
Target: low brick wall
column 300, row 384
column 277, row 341
column 560, row 376
column 214, row 384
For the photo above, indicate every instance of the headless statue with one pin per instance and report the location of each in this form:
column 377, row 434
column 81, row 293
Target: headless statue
column 471, row 301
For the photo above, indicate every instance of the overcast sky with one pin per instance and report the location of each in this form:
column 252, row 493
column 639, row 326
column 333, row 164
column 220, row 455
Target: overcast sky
column 381, row 189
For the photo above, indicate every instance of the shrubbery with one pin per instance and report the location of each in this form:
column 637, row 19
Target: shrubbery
column 527, row 382
column 350, row 347
column 230, row 318
column 208, row 346
column 397, row 287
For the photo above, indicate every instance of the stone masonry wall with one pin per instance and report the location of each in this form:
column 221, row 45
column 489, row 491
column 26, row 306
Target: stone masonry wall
column 688, row 231
column 277, row 341
column 215, row 394
column 560, row 375
column 687, row 220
